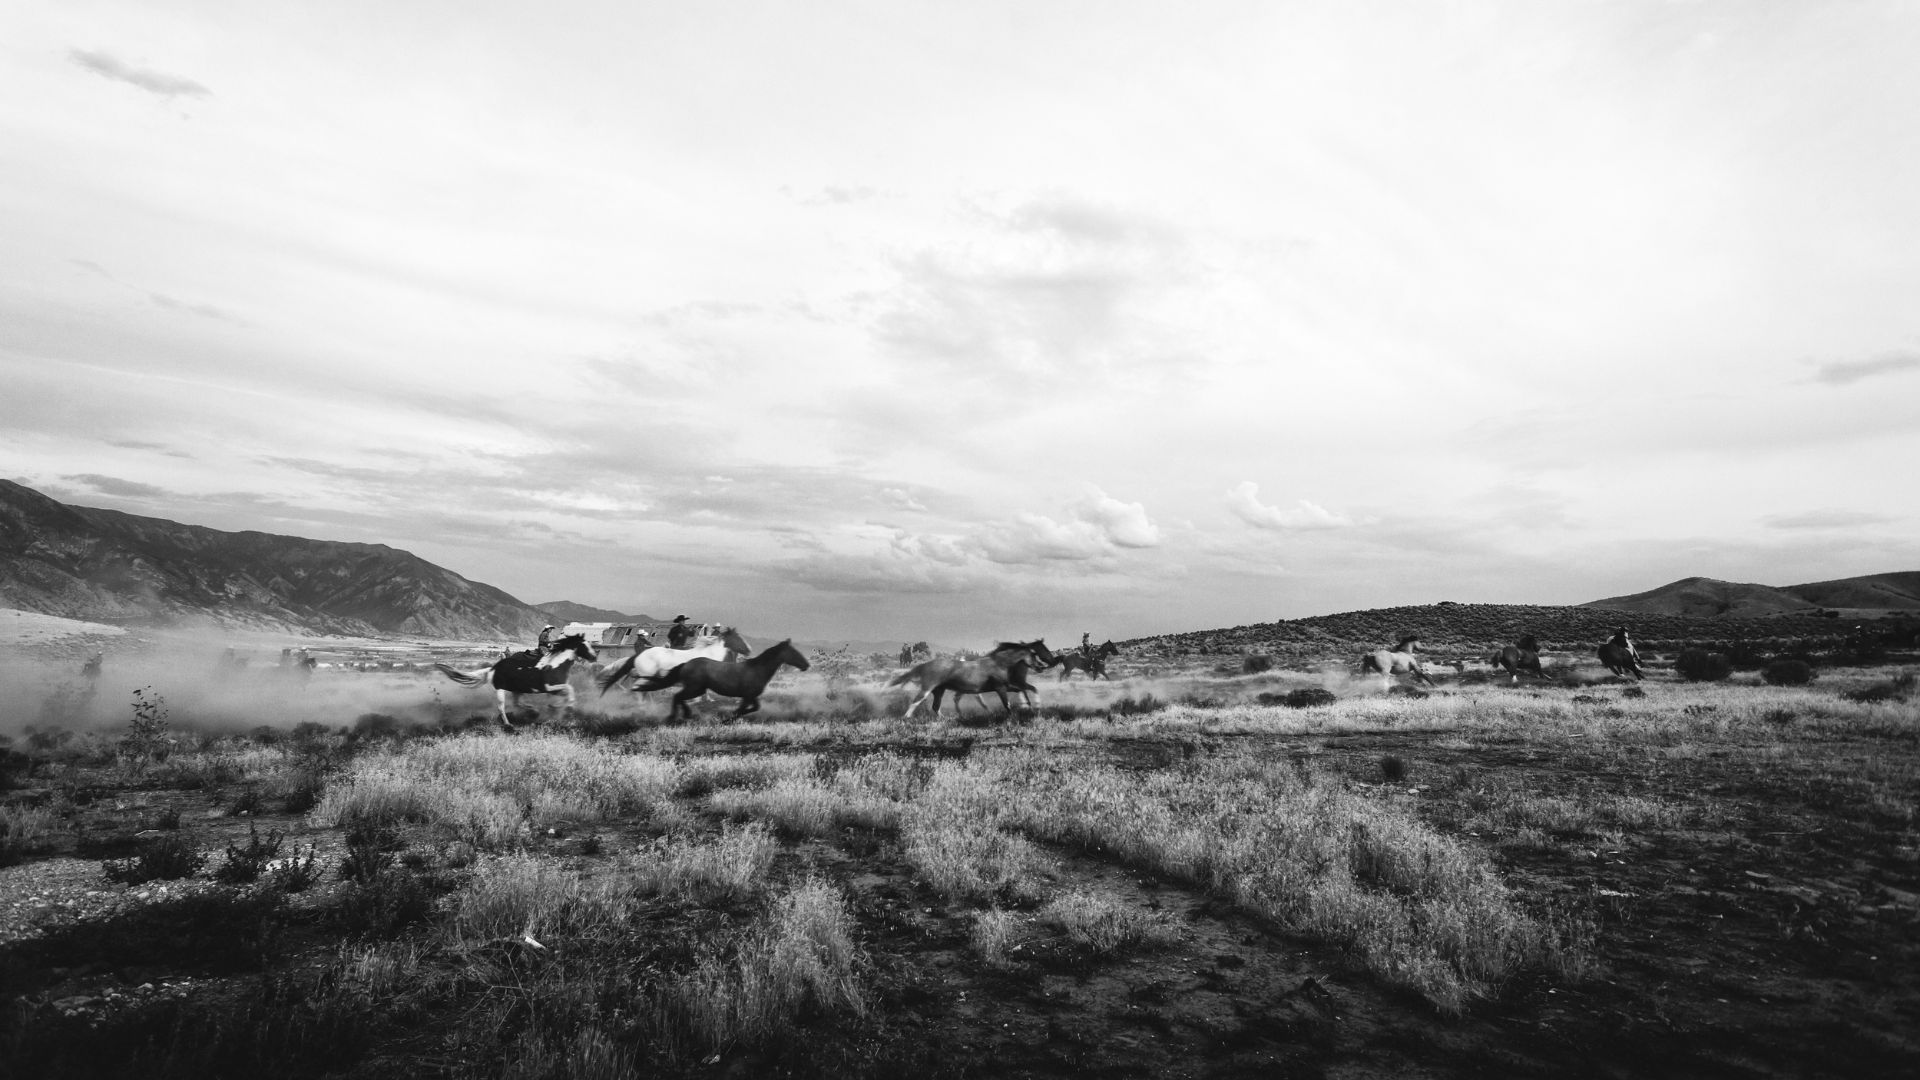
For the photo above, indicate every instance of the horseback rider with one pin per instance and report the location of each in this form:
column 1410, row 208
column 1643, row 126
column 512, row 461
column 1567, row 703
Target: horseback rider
column 1086, row 644
column 680, row 635
column 546, row 640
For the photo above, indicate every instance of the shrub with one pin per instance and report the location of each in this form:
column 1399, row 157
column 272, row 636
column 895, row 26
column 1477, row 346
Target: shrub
column 297, row 872
column 1788, row 673
column 1255, row 663
column 167, row 858
column 1698, row 665
column 245, row 864
column 24, row 830
column 1307, row 697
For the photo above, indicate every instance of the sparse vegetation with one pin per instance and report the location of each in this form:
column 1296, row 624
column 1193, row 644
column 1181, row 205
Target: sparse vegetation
column 1699, row 665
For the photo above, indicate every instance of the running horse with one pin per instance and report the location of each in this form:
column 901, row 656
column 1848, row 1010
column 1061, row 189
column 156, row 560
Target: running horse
column 1399, row 660
column 712, row 643
column 746, row 679
column 1521, row 656
column 998, row 671
column 527, row 673
column 1620, row 656
column 1093, row 663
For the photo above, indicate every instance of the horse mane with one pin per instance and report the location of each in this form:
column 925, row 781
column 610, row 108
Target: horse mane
column 1407, row 643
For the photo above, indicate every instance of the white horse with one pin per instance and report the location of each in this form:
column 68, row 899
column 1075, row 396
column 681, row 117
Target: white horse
column 1399, row 660
column 711, row 643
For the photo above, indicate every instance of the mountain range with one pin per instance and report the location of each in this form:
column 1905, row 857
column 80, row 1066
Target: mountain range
column 108, row 566
column 1699, row 597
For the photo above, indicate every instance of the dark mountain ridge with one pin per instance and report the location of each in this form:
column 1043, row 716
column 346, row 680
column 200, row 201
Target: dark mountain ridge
column 108, row 566
column 1703, row 597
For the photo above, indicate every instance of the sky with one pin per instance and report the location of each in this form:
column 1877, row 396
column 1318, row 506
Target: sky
column 976, row 320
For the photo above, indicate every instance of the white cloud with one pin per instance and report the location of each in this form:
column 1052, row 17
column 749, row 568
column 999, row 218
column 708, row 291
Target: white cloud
column 1244, row 501
column 1123, row 523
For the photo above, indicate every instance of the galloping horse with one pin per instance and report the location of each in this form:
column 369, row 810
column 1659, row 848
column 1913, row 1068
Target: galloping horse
column 1620, row 656
column 992, row 672
column 1399, row 660
column 714, row 643
column 1522, row 655
column 745, row 680
column 527, row 673
column 1094, row 664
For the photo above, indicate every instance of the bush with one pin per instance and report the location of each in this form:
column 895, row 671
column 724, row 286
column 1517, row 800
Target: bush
column 245, row 864
column 1307, row 697
column 1255, row 663
column 165, row 859
column 1698, row 665
column 1788, row 673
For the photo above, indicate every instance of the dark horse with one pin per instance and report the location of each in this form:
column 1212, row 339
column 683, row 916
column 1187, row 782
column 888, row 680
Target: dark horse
column 993, row 672
column 1620, row 656
column 1522, row 655
column 528, row 673
column 1094, row 663
column 743, row 679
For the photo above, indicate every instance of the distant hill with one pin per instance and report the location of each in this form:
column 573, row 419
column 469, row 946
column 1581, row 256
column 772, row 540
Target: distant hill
column 103, row 565
column 1707, row 598
column 562, row 612
column 1899, row 591
column 1471, row 631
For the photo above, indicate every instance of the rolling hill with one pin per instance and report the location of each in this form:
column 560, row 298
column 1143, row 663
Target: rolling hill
column 1898, row 591
column 107, row 566
column 1707, row 598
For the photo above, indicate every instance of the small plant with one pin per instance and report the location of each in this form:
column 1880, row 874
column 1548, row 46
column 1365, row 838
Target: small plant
column 1102, row 926
column 1393, row 768
column 1699, row 665
column 245, row 864
column 167, row 858
column 146, row 738
column 993, row 935
column 247, row 802
column 1787, row 672
column 297, row 872
column 1255, row 663
column 24, row 830
column 370, row 851
column 1308, row 697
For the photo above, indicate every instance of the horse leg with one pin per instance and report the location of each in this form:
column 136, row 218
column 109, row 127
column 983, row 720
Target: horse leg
column 748, row 705
column 508, row 701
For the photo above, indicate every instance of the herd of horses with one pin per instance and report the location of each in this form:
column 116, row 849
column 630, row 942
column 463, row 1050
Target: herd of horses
column 719, row 662
column 1522, row 657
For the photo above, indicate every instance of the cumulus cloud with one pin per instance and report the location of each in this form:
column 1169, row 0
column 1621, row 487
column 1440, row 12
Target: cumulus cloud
column 1845, row 372
column 1825, row 519
column 1245, row 502
column 1124, row 524
column 109, row 66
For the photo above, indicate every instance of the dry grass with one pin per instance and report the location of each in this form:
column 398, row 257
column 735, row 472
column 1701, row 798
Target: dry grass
column 492, row 791
column 1103, row 925
column 799, row 959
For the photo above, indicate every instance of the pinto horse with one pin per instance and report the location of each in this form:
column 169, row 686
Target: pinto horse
column 993, row 672
column 746, row 679
column 527, row 673
column 714, row 643
column 1094, row 663
column 1620, row 656
column 1521, row 656
column 1399, row 660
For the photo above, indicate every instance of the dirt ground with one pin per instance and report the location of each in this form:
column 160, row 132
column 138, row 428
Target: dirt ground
column 1770, row 929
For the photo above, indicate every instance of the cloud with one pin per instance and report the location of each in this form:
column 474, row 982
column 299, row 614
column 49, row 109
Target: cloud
column 1244, row 501
column 1826, row 519
column 1124, row 524
column 113, row 485
column 1846, row 372
column 109, row 66
column 205, row 311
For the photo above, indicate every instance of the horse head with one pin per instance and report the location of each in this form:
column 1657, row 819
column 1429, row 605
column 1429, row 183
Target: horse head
column 575, row 644
column 787, row 654
column 1408, row 644
column 734, row 642
column 1107, row 648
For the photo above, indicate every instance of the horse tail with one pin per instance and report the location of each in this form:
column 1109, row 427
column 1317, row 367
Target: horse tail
column 464, row 678
column 612, row 675
column 656, row 682
column 1370, row 663
column 905, row 675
